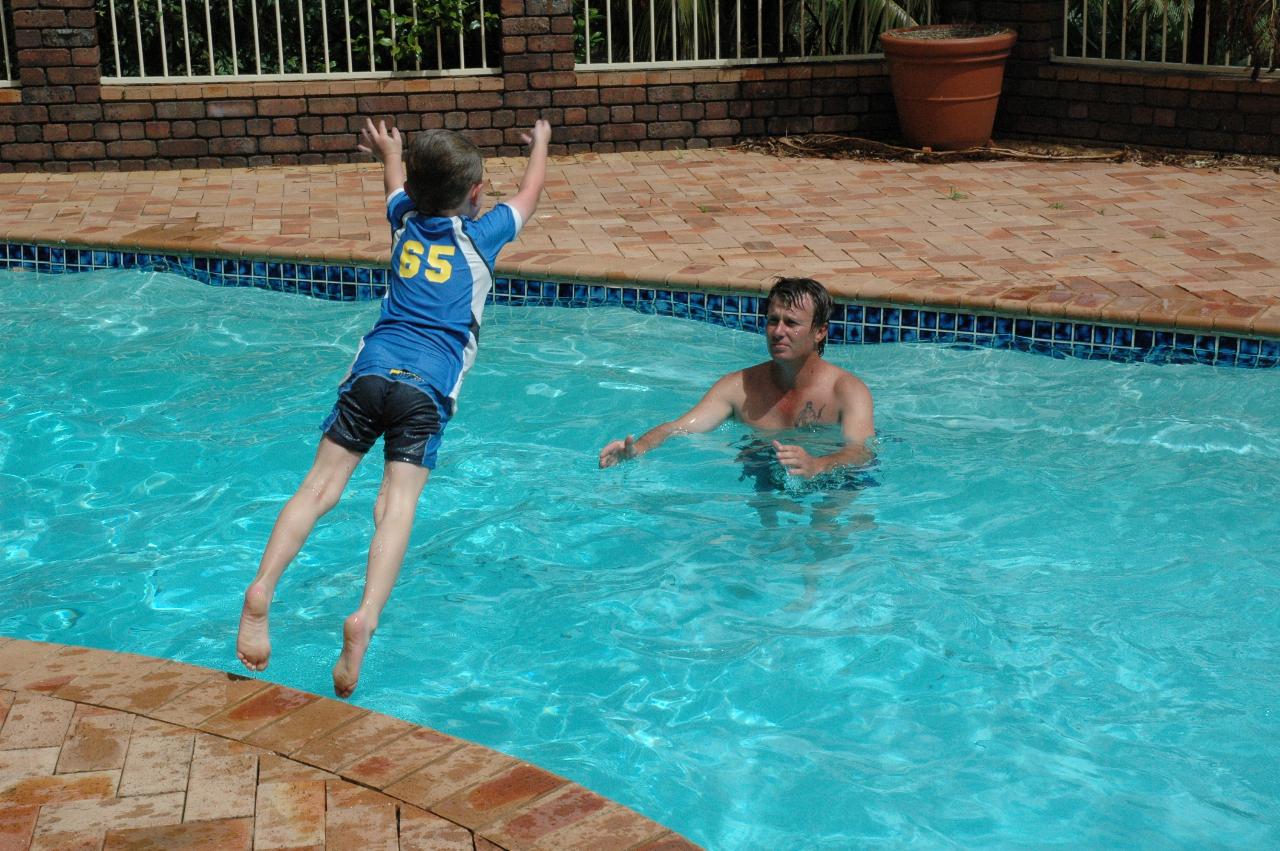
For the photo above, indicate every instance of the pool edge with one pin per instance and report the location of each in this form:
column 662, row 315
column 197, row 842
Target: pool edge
column 498, row 799
column 857, row 320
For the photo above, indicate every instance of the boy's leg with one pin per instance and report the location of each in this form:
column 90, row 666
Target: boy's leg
column 393, row 513
column 318, row 493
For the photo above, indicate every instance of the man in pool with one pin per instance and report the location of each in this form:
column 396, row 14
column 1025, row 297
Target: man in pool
column 795, row 388
column 404, row 382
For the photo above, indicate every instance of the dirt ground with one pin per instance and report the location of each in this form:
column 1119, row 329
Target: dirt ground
column 852, row 147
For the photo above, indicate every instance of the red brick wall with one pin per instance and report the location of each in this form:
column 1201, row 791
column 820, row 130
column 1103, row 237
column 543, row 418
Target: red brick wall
column 649, row 110
column 1108, row 106
column 62, row 118
column 249, row 124
column 288, row 123
column 1060, row 101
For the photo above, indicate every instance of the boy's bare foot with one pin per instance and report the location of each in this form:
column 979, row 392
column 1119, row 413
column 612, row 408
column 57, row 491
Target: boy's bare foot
column 356, row 633
column 253, row 645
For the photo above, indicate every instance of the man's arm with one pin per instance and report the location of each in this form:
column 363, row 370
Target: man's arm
column 857, row 426
column 388, row 149
column 525, row 201
column 714, row 408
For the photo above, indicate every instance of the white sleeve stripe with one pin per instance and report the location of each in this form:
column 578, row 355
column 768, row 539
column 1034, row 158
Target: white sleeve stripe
column 515, row 214
column 399, row 191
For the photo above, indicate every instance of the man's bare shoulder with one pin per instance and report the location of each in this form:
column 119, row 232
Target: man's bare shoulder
column 854, row 404
column 732, row 384
column 754, row 379
column 844, row 379
column 843, row 386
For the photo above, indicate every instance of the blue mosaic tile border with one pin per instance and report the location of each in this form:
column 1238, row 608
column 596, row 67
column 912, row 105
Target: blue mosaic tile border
column 330, row 281
column 854, row 324
column 851, row 324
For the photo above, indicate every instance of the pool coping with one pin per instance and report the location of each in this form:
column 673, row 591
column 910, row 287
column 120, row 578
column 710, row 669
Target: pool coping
column 1005, row 298
column 1060, row 330
column 313, row 763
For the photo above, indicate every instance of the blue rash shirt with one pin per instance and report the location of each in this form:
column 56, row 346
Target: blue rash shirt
column 441, row 274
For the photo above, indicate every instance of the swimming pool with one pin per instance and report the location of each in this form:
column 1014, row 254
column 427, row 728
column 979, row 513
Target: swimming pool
column 1052, row 620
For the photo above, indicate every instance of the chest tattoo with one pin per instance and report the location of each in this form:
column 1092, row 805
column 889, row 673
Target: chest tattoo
column 809, row 415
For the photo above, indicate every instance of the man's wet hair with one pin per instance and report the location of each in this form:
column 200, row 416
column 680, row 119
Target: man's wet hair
column 441, row 166
column 791, row 291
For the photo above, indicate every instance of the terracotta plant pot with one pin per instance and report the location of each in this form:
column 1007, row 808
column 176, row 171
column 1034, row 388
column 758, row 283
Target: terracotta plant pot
column 946, row 81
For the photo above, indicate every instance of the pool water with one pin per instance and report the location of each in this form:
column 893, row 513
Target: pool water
column 1050, row 616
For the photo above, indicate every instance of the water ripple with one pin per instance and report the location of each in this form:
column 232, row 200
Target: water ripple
column 1046, row 619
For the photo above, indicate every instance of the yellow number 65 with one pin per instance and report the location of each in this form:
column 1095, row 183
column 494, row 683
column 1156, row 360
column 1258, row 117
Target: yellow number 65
column 438, row 268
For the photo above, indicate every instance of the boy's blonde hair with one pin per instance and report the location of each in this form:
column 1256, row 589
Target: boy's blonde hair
column 440, row 167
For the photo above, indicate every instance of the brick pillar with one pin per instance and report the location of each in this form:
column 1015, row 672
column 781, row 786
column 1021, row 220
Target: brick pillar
column 537, row 58
column 957, row 11
column 1036, row 21
column 58, row 66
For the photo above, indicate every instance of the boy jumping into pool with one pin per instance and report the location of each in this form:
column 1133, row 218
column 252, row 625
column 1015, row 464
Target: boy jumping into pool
column 404, row 382
column 795, row 388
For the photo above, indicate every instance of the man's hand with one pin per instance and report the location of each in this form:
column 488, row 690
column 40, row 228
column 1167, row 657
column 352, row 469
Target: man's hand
column 379, row 142
column 797, row 461
column 618, row 450
column 540, row 135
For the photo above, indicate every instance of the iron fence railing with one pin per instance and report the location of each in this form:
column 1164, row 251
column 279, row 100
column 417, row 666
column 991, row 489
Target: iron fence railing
column 10, row 52
column 631, row 33
column 1171, row 33
column 202, row 40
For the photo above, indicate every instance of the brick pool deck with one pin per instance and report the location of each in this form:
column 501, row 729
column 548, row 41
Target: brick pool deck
column 1161, row 246
column 103, row 750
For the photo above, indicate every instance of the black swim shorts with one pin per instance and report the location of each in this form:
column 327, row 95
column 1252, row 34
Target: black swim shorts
column 760, row 464
column 405, row 415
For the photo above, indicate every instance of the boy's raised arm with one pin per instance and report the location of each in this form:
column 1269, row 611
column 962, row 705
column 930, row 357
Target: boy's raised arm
column 525, row 202
column 388, row 149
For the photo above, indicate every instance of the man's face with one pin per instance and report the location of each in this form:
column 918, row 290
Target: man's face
column 790, row 332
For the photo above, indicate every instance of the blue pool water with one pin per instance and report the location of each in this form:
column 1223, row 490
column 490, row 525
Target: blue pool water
column 1052, row 620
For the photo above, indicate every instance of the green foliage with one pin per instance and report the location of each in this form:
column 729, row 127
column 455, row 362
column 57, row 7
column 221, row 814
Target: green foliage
column 413, row 34
column 1253, row 30
column 839, row 20
column 406, row 38
column 777, row 29
column 1214, row 32
column 580, row 30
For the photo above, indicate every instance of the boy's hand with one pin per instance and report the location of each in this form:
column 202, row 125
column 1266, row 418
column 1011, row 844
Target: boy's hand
column 541, row 134
column 379, row 142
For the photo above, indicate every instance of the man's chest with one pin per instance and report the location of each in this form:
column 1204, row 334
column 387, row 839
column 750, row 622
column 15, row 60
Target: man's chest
column 789, row 410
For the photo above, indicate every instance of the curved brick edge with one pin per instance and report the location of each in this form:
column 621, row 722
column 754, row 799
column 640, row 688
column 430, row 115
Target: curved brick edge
column 134, row 751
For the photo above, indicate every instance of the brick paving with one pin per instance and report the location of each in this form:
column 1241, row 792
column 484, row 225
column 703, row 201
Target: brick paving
column 1161, row 246
column 110, row 751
